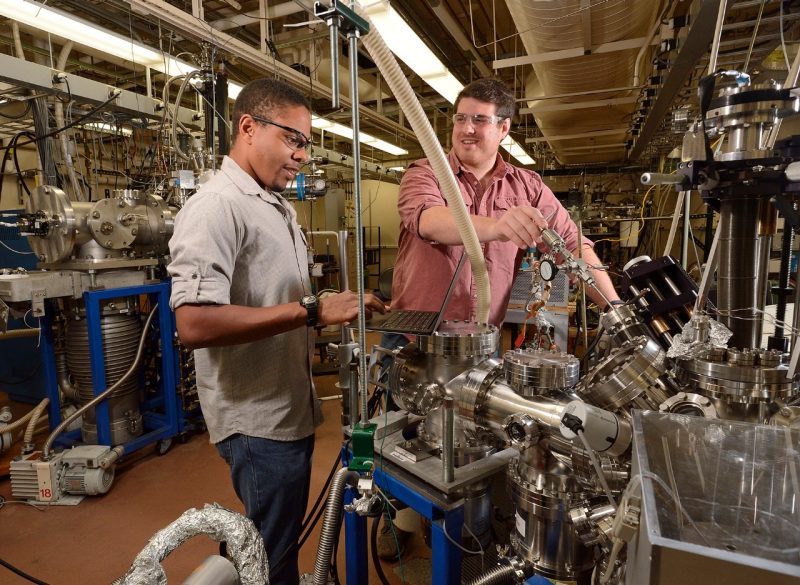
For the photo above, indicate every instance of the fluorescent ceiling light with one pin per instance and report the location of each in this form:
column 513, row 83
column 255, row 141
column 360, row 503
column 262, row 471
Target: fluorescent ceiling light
column 514, row 149
column 68, row 27
column 364, row 138
column 397, row 169
column 410, row 49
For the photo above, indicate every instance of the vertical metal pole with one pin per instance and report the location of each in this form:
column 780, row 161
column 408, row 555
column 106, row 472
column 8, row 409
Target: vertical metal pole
column 362, row 333
column 352, row 395
column 712, row 61
column 448, row 440
column 687, row 228
column 583, row 284
column 344, row 278
column 333, row 25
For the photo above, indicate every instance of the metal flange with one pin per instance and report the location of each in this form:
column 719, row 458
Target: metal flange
column 535, row 372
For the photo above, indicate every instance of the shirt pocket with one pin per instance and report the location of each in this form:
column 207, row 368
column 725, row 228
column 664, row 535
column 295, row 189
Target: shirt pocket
column 505, row 202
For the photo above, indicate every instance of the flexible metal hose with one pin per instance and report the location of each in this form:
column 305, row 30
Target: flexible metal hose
column 105, row 393
column 330, row 524
column 497, row 576
column 69, row 390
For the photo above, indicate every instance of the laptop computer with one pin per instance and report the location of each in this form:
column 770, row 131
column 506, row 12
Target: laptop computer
column 414, row 322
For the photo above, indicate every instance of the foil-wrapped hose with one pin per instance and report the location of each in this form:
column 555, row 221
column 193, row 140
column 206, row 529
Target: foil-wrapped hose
column 244, row 544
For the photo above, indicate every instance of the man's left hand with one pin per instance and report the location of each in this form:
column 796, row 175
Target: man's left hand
column 343, row 307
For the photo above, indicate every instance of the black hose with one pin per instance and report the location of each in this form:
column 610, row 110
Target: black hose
column 373, row 545
column 13, row 145
column 589, row 350
column 70, row 125
column 22, row 574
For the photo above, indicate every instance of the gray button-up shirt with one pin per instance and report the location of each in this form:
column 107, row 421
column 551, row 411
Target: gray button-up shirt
column 235, row 243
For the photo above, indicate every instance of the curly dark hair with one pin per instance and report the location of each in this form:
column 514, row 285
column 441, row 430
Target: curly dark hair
column 263, row 97
column 491, row 91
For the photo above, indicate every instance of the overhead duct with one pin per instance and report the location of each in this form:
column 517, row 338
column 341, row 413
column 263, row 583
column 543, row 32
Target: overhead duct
column 553, row 30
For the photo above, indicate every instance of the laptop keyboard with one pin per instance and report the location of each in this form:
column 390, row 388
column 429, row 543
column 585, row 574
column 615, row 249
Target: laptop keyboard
column 420, row 322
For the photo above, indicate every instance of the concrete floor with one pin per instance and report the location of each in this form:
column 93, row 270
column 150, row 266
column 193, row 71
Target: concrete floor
column 96, row 541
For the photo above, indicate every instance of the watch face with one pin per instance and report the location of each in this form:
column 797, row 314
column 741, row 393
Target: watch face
column 308, row 300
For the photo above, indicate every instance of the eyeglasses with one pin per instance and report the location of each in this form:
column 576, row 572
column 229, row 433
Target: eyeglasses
column 296, row 141
column 477, row 120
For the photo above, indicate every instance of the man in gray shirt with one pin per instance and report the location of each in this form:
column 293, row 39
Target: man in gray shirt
column 242, row 299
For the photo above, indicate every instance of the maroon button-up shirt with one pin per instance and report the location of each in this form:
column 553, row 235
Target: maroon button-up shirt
column 424, row 268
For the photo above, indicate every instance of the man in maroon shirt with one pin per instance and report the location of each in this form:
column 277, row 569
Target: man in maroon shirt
column 508, row 206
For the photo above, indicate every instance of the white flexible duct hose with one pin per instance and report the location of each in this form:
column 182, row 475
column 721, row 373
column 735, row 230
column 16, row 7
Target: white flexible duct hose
column 17, row 40
column 32, row 414
column 31, row 428
column 21, row 55
column 433, row 150
column 63, row 140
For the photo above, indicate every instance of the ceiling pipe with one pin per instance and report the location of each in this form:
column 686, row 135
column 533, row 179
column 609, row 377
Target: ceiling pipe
column 276, row 11
column 454, row 28
column 199, row 30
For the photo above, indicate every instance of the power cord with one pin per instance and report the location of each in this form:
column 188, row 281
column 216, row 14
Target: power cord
column 22, row 574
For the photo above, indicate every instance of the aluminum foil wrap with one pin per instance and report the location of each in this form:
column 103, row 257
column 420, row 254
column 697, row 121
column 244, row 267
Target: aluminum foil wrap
column 244, row 545
column 700, row 334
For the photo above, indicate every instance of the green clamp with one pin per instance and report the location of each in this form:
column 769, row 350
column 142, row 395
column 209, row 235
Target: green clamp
column 363, row 442
column 348, row 18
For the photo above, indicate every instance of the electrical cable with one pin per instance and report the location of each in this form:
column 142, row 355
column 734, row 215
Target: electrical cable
column 72, row 124
column 10, row 249
column 21, row 116
column 22, row 574
column 373, row 545
column 12, row 145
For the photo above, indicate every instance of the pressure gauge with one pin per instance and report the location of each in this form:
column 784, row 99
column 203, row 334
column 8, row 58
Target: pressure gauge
column 547, row 269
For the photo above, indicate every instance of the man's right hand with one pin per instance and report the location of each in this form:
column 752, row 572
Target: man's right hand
column 521, row 225
column 343, row 307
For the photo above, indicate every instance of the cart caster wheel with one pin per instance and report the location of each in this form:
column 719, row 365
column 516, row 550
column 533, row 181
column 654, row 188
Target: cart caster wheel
column 163, row 446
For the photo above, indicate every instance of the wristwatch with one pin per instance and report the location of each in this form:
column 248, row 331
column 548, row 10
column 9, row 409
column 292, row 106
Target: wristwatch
column 311, row 304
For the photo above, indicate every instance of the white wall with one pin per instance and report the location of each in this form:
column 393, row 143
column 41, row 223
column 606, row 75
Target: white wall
column 379, row 208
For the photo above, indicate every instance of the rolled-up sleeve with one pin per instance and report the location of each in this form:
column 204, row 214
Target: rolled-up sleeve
column 419, row 190
column 203, row 249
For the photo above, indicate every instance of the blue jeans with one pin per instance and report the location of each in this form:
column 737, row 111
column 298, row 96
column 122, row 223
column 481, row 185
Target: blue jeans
column 272, row 480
